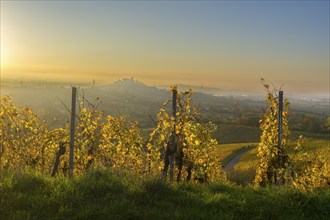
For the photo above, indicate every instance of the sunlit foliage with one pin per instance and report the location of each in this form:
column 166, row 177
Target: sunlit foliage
column 107, row 141
column 276, row 166
column 195, row 153
column 273, row 158
column 310, row 170
column 26, row 141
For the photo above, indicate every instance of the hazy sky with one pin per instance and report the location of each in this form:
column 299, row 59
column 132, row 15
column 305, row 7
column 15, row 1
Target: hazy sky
column 217, row 43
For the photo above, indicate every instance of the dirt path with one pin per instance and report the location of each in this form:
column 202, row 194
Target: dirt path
column 230, row 165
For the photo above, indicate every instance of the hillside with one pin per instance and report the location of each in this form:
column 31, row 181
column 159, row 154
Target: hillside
column 131, row 87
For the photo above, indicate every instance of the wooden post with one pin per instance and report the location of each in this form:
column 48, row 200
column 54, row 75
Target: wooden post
column 59, row 153
column 173, row 139
column 280, row 112
column 279, row 178
column 175, row 94
column 171, row 145
column 72, row 130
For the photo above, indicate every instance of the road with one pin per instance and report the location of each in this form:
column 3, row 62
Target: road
column 230, row 165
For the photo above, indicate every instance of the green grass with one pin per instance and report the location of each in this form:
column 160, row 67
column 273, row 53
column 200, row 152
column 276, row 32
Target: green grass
column 108, row 195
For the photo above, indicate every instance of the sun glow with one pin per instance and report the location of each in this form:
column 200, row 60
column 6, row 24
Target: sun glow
column 4, row 55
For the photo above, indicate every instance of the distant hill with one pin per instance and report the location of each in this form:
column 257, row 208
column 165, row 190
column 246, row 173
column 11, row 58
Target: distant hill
column 135, row 88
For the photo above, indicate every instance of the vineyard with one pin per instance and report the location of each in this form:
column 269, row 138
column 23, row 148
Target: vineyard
column 178, row 149
column 110, row 142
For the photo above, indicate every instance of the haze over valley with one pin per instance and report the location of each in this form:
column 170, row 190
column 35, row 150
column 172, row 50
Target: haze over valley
column 229, row 110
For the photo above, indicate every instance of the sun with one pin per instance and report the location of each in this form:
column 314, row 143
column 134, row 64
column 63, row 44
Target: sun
column 6, row 59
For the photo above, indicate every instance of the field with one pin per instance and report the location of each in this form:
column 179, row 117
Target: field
column 244, row 171
column 101, row 194
column 233, row 133
column 229, row 151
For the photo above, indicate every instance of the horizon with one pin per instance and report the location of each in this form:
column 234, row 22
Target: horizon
column 226, row 45
column 257, row 92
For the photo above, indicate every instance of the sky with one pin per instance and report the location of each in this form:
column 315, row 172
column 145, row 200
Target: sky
column 222, row 44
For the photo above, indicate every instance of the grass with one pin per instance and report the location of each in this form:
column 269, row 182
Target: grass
column 102, row 194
